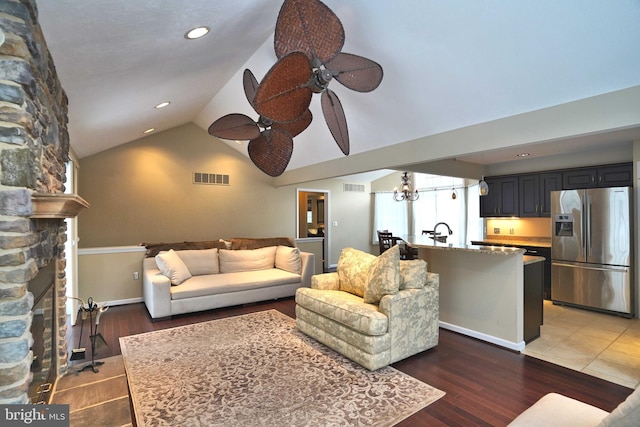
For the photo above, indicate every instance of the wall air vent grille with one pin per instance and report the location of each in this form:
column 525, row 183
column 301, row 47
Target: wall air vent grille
column 353, row 188
column 210, row 178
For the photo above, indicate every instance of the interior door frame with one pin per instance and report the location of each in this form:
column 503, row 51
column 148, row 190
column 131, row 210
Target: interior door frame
column 327, row 221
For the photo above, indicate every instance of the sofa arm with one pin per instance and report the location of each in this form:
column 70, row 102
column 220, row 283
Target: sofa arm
column 327, row 282
column 308, row 267
column 413, row 320
column 555, row 409
column 433, row 281
column 156, row 289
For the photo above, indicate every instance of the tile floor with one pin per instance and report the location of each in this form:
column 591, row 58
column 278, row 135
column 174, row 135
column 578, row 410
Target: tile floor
column 602, row 345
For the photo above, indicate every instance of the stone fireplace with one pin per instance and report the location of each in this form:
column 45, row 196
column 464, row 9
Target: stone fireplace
column 34, row 149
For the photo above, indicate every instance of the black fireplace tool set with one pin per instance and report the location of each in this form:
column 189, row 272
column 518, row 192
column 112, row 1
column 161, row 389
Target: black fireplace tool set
column 92, row 311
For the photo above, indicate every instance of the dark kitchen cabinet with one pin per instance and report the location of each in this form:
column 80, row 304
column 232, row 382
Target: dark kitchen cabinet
column 502, row 199
column 616, row 175
column 546, row 267
column 579, row 178
column 620, row 175
column 535, row 191
column 533, row 306
column 529, row 195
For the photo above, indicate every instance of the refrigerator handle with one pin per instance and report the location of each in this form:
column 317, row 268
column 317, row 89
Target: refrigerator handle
column 583, row 219
column 588, row 226
column 594, row 268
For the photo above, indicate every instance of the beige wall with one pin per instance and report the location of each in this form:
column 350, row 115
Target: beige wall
column 481, row 294
column 143, row 192
column 106, row 274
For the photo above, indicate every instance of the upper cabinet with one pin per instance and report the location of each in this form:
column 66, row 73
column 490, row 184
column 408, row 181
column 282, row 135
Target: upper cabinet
column 603, row 176
column 528, row 195
column 535, row 191
column 502, row 199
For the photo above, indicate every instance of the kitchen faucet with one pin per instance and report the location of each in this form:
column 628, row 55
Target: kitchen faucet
column 442, row 223
column 436, row 236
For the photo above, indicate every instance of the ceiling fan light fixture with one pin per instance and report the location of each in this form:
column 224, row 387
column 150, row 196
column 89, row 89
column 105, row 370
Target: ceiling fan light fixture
column 196, row 33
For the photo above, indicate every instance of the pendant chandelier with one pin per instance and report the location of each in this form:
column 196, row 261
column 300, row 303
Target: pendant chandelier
column 483, row 187
column 406, row 191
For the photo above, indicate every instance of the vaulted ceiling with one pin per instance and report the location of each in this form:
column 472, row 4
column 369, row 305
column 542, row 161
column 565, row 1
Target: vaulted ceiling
column 447, row 66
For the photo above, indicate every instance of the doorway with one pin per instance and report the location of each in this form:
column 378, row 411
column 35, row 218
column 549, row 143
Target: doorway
column 311, row 219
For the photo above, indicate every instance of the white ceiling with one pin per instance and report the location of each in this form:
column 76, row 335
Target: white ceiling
column 446, row 65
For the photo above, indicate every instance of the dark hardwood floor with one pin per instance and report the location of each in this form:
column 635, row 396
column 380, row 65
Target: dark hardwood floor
column 485, row 384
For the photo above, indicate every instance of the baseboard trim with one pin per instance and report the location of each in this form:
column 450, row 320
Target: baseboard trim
column 122, row 301
column 516, row 346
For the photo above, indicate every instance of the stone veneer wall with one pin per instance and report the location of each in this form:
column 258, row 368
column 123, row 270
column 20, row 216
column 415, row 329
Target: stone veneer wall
column 34, row 148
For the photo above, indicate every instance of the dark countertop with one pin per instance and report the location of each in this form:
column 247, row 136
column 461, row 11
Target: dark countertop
column 546, row 243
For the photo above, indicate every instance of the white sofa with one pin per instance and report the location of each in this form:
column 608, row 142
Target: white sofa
column 190, row 280
column 557, row 410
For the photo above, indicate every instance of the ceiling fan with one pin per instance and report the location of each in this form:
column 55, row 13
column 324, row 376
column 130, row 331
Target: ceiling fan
column 270, row 143
column 308, row 41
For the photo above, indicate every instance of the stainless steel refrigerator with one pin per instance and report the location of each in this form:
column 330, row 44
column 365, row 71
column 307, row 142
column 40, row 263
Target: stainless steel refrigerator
column 591, row 249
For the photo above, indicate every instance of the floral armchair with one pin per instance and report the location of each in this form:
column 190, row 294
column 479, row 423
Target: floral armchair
column 373, row 310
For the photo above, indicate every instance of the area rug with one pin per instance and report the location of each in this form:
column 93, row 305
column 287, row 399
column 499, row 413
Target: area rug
column 259, row 370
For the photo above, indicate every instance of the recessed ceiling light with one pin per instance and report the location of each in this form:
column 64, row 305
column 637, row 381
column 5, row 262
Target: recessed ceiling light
column 196, row 33
column 149, row 130
column 523, row 155
column 162, row 104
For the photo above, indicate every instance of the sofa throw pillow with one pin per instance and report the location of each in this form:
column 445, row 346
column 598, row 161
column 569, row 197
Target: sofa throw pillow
column 233, row 261
column 288, row 259
column 200, row 261
column 626, row 414
column 353, row 267
column 413, row 274
column 383, row 277
column 172, row 266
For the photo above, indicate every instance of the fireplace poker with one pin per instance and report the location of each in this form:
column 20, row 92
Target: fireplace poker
column 79, row 353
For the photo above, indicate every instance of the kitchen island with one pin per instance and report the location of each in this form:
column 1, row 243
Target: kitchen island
column 482, row 290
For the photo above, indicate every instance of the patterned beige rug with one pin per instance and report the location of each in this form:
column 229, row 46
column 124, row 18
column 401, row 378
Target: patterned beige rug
column 259, row 370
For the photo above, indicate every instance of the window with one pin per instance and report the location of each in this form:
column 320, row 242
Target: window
column 434, row 205
column 389, row 215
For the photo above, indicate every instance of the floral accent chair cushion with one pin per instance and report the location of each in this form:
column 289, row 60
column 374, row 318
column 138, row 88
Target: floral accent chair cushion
column 383, row 277
column 413, row 274
column 353, row 268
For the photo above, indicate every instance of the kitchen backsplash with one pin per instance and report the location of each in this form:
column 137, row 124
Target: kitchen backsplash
column 523, row 227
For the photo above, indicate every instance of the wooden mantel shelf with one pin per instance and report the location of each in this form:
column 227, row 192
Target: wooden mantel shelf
column 57, row 205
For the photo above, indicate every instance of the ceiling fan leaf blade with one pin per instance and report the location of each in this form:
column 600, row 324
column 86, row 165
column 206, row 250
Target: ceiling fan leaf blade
column 336, row 120
column 308, row 26
column 235, row 126
column 296, row 127
column 356, row 72
column 271, row 151
column 284, row 93
column 250, row 84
